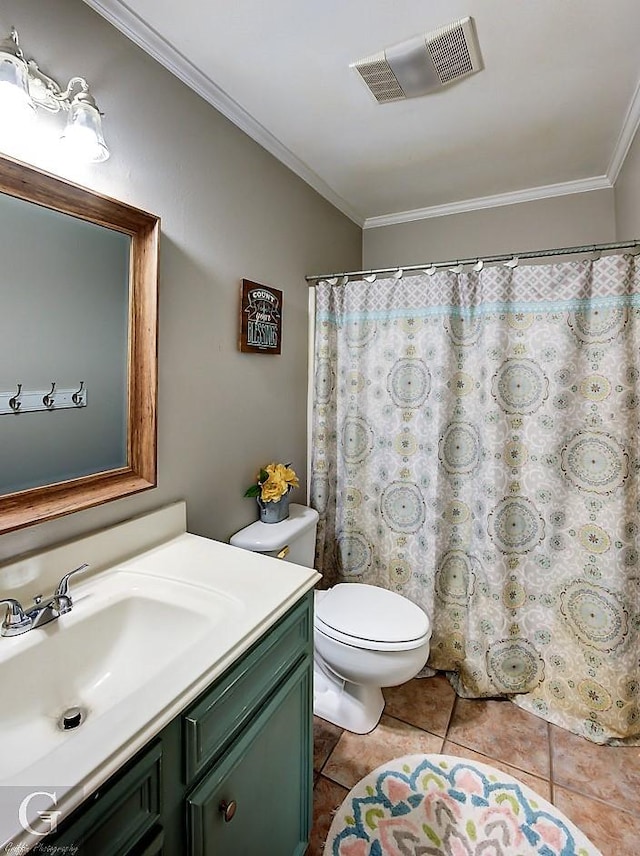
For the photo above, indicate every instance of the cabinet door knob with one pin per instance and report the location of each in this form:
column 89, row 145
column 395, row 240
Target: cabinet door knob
column 228, row 809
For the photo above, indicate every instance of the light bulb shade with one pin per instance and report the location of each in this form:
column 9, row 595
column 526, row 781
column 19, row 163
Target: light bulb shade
column 83, row 137
column 17, row 110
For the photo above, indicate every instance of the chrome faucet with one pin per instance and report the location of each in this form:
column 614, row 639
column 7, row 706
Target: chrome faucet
column 18, row 621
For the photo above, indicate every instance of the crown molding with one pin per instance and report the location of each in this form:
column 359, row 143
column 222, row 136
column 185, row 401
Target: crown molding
column 135, row 29
column 627, row 133
column 530, row 194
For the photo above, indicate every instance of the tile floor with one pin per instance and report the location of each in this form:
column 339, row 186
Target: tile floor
column 597, row 787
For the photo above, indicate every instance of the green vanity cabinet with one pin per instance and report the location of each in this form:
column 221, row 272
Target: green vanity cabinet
column 230, row 776
column 256, row 799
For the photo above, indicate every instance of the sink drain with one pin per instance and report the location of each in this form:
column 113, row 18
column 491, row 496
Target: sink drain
column 71, row 718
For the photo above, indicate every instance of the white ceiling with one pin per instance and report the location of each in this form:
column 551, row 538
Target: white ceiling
column 553, row 111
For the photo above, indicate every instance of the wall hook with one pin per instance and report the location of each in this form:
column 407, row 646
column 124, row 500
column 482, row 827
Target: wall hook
column 48, row 400
column 77, row 397
column 14, row 403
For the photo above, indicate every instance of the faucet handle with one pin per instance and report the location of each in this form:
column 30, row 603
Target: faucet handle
column 15, row 620
column 62, row 590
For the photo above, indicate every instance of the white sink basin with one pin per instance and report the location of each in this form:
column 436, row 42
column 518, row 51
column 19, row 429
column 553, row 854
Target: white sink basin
column 125, row 631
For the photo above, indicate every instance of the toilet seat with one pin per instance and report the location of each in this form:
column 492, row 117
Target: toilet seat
column 371, row 618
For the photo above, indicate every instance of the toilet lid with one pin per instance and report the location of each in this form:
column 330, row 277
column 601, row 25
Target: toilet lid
column 371, row 614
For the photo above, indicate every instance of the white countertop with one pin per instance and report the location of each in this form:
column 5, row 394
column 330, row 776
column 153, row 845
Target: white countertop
column 261, row 590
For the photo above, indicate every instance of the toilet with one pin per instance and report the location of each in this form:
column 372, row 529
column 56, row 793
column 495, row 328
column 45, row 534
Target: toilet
column 365, row 637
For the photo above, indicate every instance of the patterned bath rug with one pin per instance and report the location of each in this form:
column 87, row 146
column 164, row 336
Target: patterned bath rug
column 432, row 805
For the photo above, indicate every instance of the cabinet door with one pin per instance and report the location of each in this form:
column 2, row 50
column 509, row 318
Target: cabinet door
column 117, row 817
column 266, row 776
column 152, row 845
column 226, row 708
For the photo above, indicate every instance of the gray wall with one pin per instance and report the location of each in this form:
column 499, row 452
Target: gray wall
column 229, row 210
column 562, row 221
column 627, row 192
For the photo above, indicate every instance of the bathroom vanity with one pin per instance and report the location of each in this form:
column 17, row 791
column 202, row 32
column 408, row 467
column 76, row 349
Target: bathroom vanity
column 208, row 750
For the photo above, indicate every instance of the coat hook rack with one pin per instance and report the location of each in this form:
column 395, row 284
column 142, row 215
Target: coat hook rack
column 18, row 401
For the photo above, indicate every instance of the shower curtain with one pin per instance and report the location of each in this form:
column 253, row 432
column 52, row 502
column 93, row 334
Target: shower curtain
column 475, row 448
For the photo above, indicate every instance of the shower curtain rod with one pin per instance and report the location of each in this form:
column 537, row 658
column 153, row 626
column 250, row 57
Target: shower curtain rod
column 513, row 257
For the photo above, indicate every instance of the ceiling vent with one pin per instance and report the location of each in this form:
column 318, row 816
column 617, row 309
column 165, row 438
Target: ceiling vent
column 422, row 64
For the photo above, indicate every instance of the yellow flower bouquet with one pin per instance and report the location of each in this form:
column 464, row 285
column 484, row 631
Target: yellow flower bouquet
column 273, row 484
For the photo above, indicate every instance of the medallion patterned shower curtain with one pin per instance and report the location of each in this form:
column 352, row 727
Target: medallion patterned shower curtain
column 475, row 448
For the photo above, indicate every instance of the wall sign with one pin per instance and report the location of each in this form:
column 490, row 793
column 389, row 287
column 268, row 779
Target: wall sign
column 260, row 319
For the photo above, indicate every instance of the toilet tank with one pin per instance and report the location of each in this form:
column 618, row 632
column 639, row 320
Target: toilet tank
column 293, row 539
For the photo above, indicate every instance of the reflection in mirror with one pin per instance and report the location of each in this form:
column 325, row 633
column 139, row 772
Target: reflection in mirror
column 78, row 281
column 64, row 320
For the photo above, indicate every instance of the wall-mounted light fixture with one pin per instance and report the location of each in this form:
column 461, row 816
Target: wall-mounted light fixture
column 24, row 88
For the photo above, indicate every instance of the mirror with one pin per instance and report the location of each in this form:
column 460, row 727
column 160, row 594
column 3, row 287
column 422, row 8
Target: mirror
column 78, row 363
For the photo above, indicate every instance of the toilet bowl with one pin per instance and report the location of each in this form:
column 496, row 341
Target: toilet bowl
column 365, row 637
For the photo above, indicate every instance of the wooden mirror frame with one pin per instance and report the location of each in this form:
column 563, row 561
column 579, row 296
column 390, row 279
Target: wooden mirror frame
column 35, row 505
